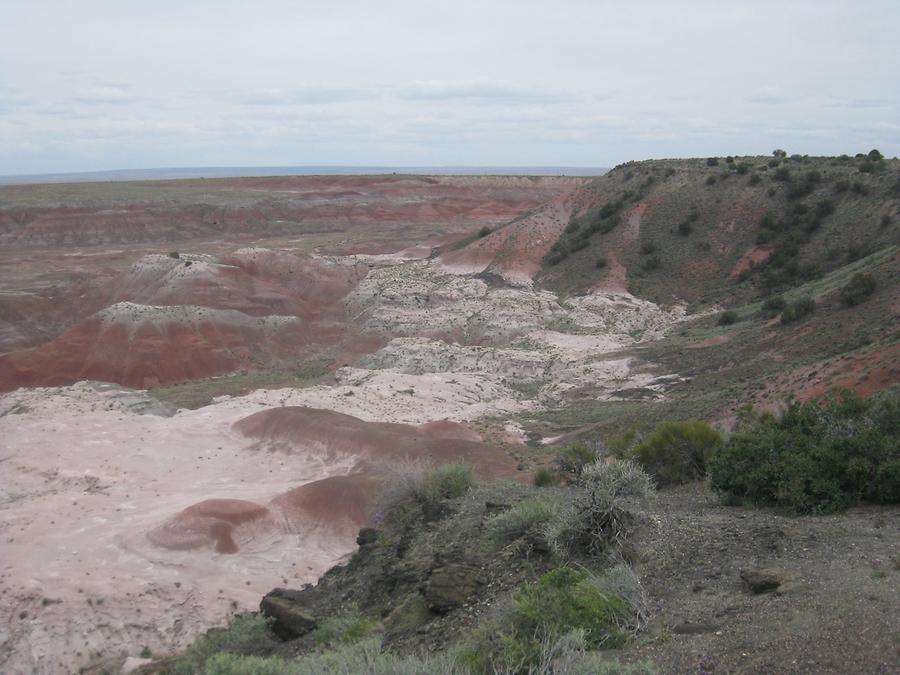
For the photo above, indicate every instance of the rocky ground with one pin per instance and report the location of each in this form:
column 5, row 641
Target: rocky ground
column 750, row 590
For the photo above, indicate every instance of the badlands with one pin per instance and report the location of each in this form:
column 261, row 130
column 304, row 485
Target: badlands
column 119, row 506
column 205, row 385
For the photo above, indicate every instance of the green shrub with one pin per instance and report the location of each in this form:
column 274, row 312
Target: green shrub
column 712, row 161
column 490, row 649
column 858, row 289
column 652, row 263
column 573, row 458
column 344, row 630
column 774, row 305
column 246, row 634
column 601, row 263
column 524, row 519
column 446, row 482
column 744, row 168
column 565, row 599
column 544, row 477
column 677, row 451
column 365, row 657
column 174, row 254
column 648, row 247
column 755, row 179
column 728, row 318
column 819, row 457
column 798, row 309
column 483, row 232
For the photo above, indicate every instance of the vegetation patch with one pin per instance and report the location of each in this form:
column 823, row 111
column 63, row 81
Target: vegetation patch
column 858, row 289
column 677, row 452
column 819, row 457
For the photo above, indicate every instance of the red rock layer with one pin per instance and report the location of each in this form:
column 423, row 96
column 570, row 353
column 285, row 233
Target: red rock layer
column 139, row 346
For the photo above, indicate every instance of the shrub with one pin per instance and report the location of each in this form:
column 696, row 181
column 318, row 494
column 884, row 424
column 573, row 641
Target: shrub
column 598, row 516
column 819, row 457
column 858, row 289
column 824, row 208
column 798, row 309
column 344, row 630
column 712, row 161
column 685, row 228
column 652, row 263
column 485, row 231
column 677, row 451
column 574, row 458
column 544, row 477
column 565, row 599
column 490, row 649
column 710, row 180
column 875, row 155
column 174, row 254
column 728, row 318
column 774, row 305
column 246, row 634
column 744, row 168
column 446, row 482
column 601, row 263
column 365, row 657
column 648, row 247
column 778, row 152
column 524, row 519
column 783, row 174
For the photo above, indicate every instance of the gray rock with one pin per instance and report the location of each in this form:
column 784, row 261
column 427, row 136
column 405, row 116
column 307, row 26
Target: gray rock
column 765, row 580
column 287, row 609
column 450, row 586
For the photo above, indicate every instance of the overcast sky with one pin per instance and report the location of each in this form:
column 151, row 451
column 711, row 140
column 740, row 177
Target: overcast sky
column 95, row 84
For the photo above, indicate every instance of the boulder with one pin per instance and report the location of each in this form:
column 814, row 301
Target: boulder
column 765, row 580
column 450, row 586
column 366, row 536
column 291, row 617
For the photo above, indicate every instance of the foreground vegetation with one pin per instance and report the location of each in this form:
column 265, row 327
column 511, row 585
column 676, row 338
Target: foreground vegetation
column 504, row 578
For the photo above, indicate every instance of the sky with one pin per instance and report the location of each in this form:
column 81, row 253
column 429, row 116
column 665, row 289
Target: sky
column 88, row 85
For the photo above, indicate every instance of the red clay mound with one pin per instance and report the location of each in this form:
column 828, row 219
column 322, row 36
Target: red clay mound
column 332, row 434
column 258, row 282
column 328, row 509
column 214, row 523
column 515, row 251
column 146, row 346
column 340, row 504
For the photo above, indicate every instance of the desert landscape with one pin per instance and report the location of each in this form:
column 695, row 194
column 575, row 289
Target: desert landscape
column 210, row 385
column 471, row 338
